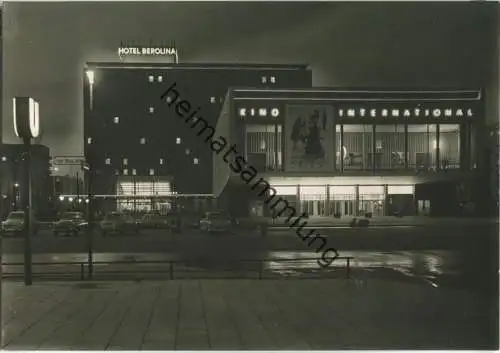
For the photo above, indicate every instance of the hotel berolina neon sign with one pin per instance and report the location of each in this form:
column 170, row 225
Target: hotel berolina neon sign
column 148, row 51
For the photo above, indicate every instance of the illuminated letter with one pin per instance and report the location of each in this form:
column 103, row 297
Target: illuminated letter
column 417, row 112
column 395, row 112
column 362, row 111
column 469, row 112
column 436, row 113
column 262, row 111
column 448, row 112
column 406, row 112
column 351, row 112
column 243, row 112
column 373, row 113
column 341, row 112
column 384, row 112
column 275, row 112
column 460, row 112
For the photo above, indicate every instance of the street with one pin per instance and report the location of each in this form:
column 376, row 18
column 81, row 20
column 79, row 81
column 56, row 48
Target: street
column 456, row 256
column 464, row 238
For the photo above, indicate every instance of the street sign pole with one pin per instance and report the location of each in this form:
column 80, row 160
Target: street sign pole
column 26, row 195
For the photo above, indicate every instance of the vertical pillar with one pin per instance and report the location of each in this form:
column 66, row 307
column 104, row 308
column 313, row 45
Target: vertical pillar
column 374, row 148
column 342, row 148
column 277, row 167
column 299, row 204
column 406, row 156
column 327, row 201
column 386, row 200
column 356, row 204
column 335, row 147
column 26, row 202
column 438, row 152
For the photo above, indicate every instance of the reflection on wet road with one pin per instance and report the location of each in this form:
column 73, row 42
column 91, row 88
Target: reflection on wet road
column 430, row 267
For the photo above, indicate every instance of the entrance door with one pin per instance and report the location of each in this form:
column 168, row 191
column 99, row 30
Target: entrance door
column 375, row 207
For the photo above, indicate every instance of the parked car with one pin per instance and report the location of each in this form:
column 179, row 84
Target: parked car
column 154, row 221
column 70, row 223
column 14, row 224
column 215, row 222
column 116, row 223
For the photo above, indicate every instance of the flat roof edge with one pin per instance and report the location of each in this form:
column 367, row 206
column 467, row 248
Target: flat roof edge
column 125, row 65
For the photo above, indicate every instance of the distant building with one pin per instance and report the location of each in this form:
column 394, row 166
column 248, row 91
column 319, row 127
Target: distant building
column 334, row 152
column 11, row 169
column 138, row 147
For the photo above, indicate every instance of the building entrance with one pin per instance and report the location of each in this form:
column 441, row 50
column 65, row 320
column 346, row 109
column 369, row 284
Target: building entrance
column 342, row 208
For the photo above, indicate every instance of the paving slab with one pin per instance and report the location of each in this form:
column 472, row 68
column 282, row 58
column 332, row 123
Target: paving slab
column 292, row 314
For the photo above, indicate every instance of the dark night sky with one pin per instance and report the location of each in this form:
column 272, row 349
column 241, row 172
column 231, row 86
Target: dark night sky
column 355, row 44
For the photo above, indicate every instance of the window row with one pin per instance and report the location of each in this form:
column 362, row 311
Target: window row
column 142, row 141
column 360, row 147
column 161, row 162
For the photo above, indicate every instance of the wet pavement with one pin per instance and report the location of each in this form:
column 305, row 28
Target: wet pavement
column 434, row 268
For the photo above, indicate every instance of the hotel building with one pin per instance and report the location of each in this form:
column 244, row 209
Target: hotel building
column 136, row 146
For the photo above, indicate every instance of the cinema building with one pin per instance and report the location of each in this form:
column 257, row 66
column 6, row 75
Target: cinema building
column 331, row 152
column 139, row 151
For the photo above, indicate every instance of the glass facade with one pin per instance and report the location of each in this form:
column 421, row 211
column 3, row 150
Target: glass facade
column 264, row 142
column 349, row 200
column 368, row 147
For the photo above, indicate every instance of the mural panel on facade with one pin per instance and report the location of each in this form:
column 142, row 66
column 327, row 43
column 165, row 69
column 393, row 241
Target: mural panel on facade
column 309, row 138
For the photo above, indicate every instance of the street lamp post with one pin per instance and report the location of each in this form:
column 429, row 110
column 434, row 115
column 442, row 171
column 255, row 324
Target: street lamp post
column 90, row 216
column 26, row 126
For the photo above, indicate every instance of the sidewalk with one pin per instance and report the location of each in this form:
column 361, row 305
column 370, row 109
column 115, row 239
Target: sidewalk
column 387, row 221
column 243, row 314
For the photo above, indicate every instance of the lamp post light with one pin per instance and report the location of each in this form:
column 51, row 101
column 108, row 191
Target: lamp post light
column 91, row 77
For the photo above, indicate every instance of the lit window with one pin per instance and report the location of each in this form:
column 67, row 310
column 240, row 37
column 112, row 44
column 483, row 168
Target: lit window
column 151, row 172
column 178, row 140
column 151, row 78
column 89, row 140
column 273, row 79
column 212, row 99
column 143, row 140
column 188, row 151
column 134, row 172
column 116, row 120
column 263, row 79
column 108, row 160
column 196, row 161
column 4, row 158
column 151, row 110
column 125, row 171
column 162, row 161
column 125, row 161
column 160, row 78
